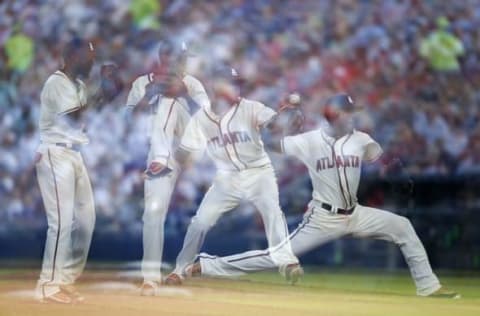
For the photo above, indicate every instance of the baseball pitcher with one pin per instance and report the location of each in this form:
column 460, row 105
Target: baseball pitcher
column 229, row 131
column 161, row 92
column 334, row 158
column 62, row 175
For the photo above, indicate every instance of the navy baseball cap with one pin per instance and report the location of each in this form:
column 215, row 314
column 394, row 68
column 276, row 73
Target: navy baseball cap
column 341, row 101
column 226, row 72
column 170, row 47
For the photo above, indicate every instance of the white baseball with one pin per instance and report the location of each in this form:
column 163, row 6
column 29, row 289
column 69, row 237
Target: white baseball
column 294, row 98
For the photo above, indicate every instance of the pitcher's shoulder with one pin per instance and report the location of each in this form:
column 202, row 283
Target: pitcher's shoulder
column 55, row 78
column 362, row 134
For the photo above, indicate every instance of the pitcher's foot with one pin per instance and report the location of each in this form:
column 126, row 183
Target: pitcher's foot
column 60, row 297
column 292, row 272
column 173, row 279
column 445, row 293
column 73, row 292
column 194, row 270
column 149, row 288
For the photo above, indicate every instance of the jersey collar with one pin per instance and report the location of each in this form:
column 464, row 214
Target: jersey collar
column 64, row 75
column 333, row 139
column 217, row 118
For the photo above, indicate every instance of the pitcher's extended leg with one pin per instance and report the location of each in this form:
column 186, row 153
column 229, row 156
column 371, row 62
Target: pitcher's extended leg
column 317, row 228
column 218, row 200
column 379, row 224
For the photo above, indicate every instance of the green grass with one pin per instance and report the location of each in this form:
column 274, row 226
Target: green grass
column 357, row 293
column 358, row 281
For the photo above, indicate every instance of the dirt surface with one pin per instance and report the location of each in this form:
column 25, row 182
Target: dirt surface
column 264, row 294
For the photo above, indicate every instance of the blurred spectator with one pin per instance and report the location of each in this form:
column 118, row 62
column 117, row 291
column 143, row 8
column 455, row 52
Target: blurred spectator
column 430, row 124
column 19, row 49
column 376, row 51
column 471, row 160
column 441, row 48
column 145, row 13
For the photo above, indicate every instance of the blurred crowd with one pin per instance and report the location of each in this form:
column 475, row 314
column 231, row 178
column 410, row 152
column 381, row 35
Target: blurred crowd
column 413, row 65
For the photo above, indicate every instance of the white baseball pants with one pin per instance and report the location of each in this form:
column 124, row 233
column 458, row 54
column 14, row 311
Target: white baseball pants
column 320, row 226
column 158, row 192
column 257, row 185
column 68, row 200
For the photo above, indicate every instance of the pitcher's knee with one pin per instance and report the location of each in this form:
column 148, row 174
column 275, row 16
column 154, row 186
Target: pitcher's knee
column 53, row 228
column 154, row 211
column 87, row 209
column 403, row 229
column 92, row 216
column 90, row 224
column 203, row 222
column 93, row 219
column 65, row 229
column 270, row 210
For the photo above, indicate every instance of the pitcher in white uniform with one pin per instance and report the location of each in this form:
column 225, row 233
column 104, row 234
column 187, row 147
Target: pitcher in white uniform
column 334, row 159
column 169, row 115
column 229, row 130
column 63, row 178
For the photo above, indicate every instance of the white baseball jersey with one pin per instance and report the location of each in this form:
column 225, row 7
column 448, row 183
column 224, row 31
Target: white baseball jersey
column 334, row 165
column 168, row 121
column 169, row 116
column 194, row 87
column 232, row 141
column 245, row 173
column 60, row 96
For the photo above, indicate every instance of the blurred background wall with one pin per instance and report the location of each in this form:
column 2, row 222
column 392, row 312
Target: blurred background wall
column 414, row 65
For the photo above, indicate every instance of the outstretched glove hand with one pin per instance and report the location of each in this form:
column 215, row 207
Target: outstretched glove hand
column 290, row 108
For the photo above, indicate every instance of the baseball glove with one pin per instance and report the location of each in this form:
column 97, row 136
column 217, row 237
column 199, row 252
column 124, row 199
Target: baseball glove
column 168, row 84
column 290, row 108
column 111, row 84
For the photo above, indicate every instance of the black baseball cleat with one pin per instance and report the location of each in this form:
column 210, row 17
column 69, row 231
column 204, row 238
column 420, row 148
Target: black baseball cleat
column 292, row 272
column 445, row 293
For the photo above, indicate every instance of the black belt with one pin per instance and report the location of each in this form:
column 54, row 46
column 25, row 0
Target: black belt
column 340, row 211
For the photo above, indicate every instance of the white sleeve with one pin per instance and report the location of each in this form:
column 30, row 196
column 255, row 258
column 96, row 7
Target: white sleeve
column 297, row 146
column 136, row 93
column 196, row 91
column 62, row 98
column 372, row 150
column 262, row 114
column 193, row 139
column 47, row 98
